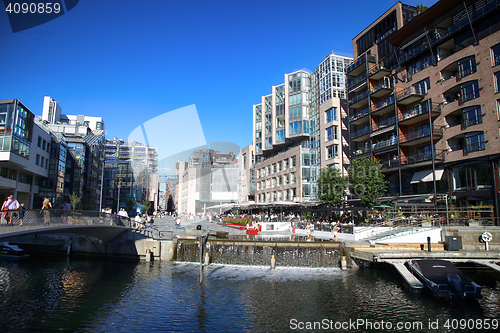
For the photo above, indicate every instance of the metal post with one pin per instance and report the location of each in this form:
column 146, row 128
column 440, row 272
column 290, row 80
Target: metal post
column 118, row 203
column 447, row 218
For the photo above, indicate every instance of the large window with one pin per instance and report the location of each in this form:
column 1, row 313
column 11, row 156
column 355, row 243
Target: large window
column 280, row 136
column 495, row 54
column 331, row 133
column 472, row 177
column 471, row 116
column 331, row 115
column 497, row 82
column 469, row 90
column 422, row 87
column 474, row 141
column 332, row 151
column 466, row 67
column 296, row 128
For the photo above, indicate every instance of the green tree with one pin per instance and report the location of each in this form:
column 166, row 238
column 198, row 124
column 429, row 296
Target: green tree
column 74, row 199
column 130, row 205
column 421, row 8
column 331, row 187
column 147, row 205
column 366, row 181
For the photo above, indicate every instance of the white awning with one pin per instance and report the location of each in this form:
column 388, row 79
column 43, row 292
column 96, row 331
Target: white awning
column 426, row 176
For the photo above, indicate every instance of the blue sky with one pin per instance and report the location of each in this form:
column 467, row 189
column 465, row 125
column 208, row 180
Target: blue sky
column 131, row 61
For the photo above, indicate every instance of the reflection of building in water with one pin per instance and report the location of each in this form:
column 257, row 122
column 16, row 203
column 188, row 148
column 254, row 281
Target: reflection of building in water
column 209, row 178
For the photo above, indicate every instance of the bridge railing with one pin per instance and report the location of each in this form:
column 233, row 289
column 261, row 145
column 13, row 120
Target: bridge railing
column 57, row 217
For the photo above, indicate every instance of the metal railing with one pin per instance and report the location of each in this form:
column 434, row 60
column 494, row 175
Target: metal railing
column 25, row 219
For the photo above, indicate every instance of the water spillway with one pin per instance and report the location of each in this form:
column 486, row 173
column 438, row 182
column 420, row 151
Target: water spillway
column 259, row 252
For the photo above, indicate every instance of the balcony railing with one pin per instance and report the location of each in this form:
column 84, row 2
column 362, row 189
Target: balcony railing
column 467, row 122
column 409, row 92
column 385, row 144
column 360, row 133
column 383, row 104
column 358, row 98
column 474, row 146
column 413, row 159
column 359, row 115
column 421, row 134
column 361, row 60
column 361, row 151
column 354, row 82
column 424, row 109
column 380, row 86
column 463, row 73
column 468, row 96
column 385, row 123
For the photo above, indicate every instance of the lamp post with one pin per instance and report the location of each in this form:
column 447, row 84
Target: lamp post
column 118, row 202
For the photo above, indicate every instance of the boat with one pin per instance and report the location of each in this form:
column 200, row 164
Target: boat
column 12, row 251
column 444, row 280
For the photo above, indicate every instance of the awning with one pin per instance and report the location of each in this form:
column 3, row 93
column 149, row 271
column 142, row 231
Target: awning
column 426, row 176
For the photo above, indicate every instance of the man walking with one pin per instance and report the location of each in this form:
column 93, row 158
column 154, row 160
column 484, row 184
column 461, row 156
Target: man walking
column 9, row 205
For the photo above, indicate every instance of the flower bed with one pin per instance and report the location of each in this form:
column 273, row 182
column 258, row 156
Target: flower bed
column 238, row 221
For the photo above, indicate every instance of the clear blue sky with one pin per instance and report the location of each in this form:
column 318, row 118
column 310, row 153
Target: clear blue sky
column 131, row 61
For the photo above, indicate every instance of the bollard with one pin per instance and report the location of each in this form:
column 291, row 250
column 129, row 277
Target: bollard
column 149, row 255
column 343, row 263
column 273, row 261
column 207, row 259
column 428, row 244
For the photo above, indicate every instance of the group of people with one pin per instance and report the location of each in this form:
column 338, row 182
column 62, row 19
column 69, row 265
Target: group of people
column 11, row 208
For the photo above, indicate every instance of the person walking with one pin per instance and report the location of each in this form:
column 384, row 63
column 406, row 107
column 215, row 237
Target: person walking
column 21, row 214
column 10, row 205
column 178, row 222
column 46, row 205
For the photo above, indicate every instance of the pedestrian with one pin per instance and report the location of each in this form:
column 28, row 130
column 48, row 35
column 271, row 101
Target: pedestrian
column 178, row 222
column 46, row 205
column 335, row 229
column 137, row 221
column 10, row 205
column 21, row 214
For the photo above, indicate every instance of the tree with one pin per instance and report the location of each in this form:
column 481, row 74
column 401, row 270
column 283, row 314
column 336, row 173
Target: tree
column 147, row 205
column 421, row 8
column 331, row 186
column 366, row 181
column 74, row 199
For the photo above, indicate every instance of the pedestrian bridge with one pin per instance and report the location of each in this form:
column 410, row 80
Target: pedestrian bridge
column 99, row 225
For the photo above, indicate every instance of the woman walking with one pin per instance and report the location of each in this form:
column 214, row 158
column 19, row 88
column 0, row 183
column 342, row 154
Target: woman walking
column 46, row 213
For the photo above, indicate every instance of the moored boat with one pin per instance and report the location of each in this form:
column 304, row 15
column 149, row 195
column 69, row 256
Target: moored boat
column 444, row 280
column 12, row 251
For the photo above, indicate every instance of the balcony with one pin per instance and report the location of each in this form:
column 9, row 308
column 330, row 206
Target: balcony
column 468, row 97
column 410, row 95
column 361, row 134
column 421, row 158
column 356, row 119
column 419, row 114
column 356, row 83
column 382, row 89
column 389, row 164
column 422, row 136
column 386, row 106
column 474, row 146
column 361, row 152
column 468, row 122
column 383, row 124
column 383, row 145
column 359, row 100
column 378, row 71
column 356, row 68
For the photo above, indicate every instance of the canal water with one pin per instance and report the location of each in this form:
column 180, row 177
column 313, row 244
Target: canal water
column 48, row 295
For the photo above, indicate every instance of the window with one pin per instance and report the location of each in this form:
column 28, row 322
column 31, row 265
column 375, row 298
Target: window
column 275, row 169
column 293, row 178
column 422, row 87
column 37, row 159
column 295, row 112
column 269, row 144
column 273, row 185
column 280, row 136
column 296, row 127
column 280, row 180
column 466, row 67
column 331, row 115
column 495, row 55
column 471, row 116
column 474, row 141
column 279, row 166
column 43, row 145
column 497, row 82
column 285, row 179
column 469, row 91
column 498, row 108
column 294, row 160
column 39, row 144
column 331, row 133
column 332, row 151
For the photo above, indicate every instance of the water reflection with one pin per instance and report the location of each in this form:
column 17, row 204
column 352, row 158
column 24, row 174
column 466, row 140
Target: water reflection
column 97, row 296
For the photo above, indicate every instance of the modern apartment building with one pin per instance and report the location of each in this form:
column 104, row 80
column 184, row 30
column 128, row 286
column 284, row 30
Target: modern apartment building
column 209, row 178
column 127, row 174
column 299, row 129
column 424, row 100
column 24, row 153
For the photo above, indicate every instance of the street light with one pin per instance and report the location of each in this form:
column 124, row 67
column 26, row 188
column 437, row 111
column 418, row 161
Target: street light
column 118, row 203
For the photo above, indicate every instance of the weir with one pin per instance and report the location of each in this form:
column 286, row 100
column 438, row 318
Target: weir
column 240, row 252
